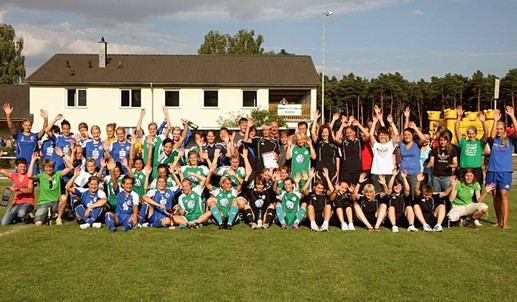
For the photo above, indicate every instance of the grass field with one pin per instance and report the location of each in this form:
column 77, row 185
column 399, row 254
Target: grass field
column 64, row 263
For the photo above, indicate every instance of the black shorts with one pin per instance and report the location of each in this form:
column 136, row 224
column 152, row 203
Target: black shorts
column 400, row 220
column 343, row 204
column 349, row 178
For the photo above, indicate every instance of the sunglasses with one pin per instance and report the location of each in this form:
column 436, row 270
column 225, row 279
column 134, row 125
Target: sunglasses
column 50, row 184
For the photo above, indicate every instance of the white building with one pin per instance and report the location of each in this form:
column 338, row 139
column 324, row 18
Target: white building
column 103, row 88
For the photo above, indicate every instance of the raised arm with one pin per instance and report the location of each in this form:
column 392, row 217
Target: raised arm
column 329, row 182
column 247, row 137
column 419, row 179
column 421, row 136
column 497, row 117
column 44, row 115
column 139, row 122
column 482, row 119
column 339, row 133
column 450, row 188
column 68, row 164
column 305, row 189
column 34, row 157
column 510, row 112
column 48, row 129
column 459, row 112
column 366, row 134
column 70, row 187
column 314, row 132
column 395, row 134
column 8, row 109
column 168, row 126
column 372, row 130
column 407, row 113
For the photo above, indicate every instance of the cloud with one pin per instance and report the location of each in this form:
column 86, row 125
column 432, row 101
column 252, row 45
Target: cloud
column 133, row 11
column 418, row 12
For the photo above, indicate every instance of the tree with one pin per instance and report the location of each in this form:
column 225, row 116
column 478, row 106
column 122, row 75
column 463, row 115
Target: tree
column 509, row 87
column 12, row 68
column 260, row 116
column 243, row 42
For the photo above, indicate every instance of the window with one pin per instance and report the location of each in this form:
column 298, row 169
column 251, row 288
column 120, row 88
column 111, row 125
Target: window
column 249, row 98
column 76, row 98
column 130, row 98
column 172, row 98
column 211, row 98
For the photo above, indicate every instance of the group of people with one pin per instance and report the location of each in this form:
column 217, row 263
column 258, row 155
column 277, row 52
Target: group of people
column 342, row 173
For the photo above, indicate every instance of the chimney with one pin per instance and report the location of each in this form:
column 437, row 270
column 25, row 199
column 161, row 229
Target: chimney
column 103, row 53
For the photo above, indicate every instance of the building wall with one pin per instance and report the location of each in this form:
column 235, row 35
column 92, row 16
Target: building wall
column 103, row 106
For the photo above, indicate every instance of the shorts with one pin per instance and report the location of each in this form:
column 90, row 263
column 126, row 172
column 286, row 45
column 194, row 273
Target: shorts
column 502, row 180
column 459, row 211
column 123, row 219
column 350, row 178
column 156, row 217
column 42, row 211
column 343, row 204
column 400, row 220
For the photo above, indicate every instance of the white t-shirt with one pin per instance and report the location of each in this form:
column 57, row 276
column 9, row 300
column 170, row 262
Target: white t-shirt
column 382, row 163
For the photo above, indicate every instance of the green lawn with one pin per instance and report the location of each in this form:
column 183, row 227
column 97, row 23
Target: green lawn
column 64, row 263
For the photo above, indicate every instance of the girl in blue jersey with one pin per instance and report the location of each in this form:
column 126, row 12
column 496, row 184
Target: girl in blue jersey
column 500, row 165
column 26, row 141
column 92, row 200
column 126, row 212
column 120, row 148
column 157, row 205
column 93, row 147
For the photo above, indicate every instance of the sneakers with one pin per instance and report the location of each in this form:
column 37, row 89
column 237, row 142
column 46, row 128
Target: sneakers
column 351, row 226
column 324, row 228
column 182, row 226
column 412, row 228
column 476, row 222
column 296, row 225
column 471, row 224
column 138, row 225
column 97, row 225
column 427, row 228
column 84, row 226
column 221, row 226
column 344, row 226
column 253, row 226
column 315, row 229
column 123, row 229
column 229, row 227
column 59, row 221
column 284, row 226
column 438, row 228
column 265, row 226
column 113, row 229
column 395, row 229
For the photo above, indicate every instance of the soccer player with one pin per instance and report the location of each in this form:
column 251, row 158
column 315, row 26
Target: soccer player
column 191, row 205
column 288, row 209
column 369, row 208
column 126, row 211
column 26, row 141
column 222, row 203
column 157, row 205
column 319, row 208
column 343, row 205
column 429, row 206
column 92, row 201
column 400, row 212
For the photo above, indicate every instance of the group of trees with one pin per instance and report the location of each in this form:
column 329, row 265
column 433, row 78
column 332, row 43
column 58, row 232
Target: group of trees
column 12, row 68
column 356, row 96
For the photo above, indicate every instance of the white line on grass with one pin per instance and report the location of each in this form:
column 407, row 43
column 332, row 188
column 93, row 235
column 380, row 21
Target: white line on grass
column 13, row 231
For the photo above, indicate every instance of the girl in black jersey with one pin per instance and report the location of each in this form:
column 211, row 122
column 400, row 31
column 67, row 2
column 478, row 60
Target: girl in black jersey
column 327, row 153
column 319, row 208
column 343, row 205
column 368, row 207
column 400, row 213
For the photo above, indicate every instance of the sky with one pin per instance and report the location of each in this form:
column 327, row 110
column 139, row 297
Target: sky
column 417, row 38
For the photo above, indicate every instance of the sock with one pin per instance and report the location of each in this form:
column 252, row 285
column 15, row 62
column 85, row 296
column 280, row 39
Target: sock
column 270, row 214
column 216, row 214
column 109, row 221
column 233, row 212
column 157, row 224
column 314, row 226
column 142, row 214
column 90, row 221
column 80, row 210
column 280, row 214
column 248, row 216
column 301, row 214
column 129, row 225
column 95, row 213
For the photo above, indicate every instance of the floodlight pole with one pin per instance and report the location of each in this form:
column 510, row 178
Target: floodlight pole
column 325, row 14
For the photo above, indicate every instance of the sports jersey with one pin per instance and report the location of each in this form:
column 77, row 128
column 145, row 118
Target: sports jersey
column 63, row 143
column 162, row 158
column 370, row 206
column 264, row 147
column 82, row 180
column 94, row 150
column 343, row 201
column 290, row 201
column 318, row 201
column 224, row 199
column 119, row 150
column 157, row 142
column 47, row 149
column 112, row 196
column 300, row 159
column 429, row 205
column 192, row 203
column 25, row 146
column 222, row 171
column 171, row 184
column 200, row 170
column 501, row 155
column 138, row 182
column 164, row 198
column 399, row 202
column 257, row 200
column 326, row 156
column 87, row 198
column 125, row 203
column 210, row 150
column 351, row 152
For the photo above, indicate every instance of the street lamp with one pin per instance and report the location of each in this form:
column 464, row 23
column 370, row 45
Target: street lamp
column 325, row 14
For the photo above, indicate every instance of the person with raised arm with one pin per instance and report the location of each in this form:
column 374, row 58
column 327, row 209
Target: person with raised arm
column 500, row 166
column 369, row 207
column 382, row 164
column 327, row 153
column 26, row 141
column 319, row 208
column 400, row 211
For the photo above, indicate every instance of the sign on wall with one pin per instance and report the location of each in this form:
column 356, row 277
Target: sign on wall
column 290, row 110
